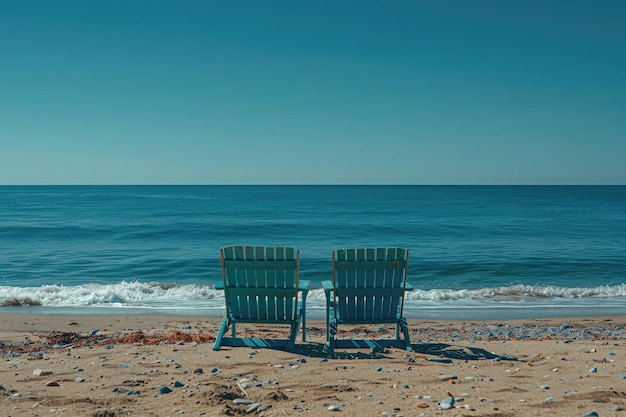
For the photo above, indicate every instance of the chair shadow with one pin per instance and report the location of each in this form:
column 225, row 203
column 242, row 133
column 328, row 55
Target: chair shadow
column 318, row 350
column 458, row 352
column 369, row 348
column 378, row 349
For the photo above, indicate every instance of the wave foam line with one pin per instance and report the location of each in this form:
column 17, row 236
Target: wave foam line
column 164, row 295
column 518, row 291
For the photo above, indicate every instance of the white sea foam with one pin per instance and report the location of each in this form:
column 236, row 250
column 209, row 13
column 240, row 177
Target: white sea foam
column 160, row 295
column 121, row 294
column 516, row 292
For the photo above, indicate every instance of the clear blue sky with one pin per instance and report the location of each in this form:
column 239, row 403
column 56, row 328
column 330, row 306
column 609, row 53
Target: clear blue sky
column 323, row 92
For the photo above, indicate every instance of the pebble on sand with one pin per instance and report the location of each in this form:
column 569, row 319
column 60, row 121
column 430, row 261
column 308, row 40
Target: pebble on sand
column 441, row 360
column 447, row 403
column 41, row 372
column 253, row 407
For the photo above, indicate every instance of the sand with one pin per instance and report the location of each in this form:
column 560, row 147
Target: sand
column 57, row 365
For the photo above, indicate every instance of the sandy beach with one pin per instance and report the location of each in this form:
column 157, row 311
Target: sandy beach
column 105, row 366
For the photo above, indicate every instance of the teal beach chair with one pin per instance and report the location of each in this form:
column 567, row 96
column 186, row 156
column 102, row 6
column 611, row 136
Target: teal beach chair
column 261, row 285
column 368, row 287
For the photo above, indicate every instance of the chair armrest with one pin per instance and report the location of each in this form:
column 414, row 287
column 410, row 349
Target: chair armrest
column 408, row 287
column 219, row 285
column 328, row 286
column 303, row 285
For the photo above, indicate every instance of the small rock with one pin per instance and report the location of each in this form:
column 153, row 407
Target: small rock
column 165, row 390
column 591, row 413
column 52, row 384
column 198, row 371
column 41, row 372
column 441, row 360
column 253, row 407
column 447, row 403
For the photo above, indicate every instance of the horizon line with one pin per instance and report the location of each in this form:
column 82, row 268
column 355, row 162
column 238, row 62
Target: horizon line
column 320, row 184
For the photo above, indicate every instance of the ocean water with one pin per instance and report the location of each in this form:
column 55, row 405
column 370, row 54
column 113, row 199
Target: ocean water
column 475, row 251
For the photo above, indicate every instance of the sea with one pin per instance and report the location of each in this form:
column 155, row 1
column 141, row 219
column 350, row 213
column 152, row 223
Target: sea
column 476, row 252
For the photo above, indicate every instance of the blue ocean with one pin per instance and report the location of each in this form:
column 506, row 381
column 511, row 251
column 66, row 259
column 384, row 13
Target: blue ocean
column 476, row 252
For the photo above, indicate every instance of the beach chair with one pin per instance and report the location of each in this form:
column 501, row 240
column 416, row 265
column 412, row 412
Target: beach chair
column 368, row 287
column 261, row 286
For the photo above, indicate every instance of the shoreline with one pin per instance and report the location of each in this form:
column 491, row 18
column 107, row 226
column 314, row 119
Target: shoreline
column 317, row 312
column 162, row 365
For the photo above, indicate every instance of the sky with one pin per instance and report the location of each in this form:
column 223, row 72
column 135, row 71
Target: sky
column 312, row 92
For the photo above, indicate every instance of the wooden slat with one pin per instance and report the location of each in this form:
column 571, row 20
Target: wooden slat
column 370, row 282
column 351, row 310
column 360, row 277
column 247, row 264
column 261, row 281
column 351, row 265
column 271, row 279
column 262, row 292
column 373, row 292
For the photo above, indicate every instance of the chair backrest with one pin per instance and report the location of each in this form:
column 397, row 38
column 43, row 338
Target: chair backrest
column 261, row 283
column 369, row 284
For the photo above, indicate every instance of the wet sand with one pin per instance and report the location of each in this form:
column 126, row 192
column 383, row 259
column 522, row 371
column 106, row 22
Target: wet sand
column 59, row 365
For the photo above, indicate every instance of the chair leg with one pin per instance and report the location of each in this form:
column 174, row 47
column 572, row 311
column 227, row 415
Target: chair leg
column 330, row 338
column 294, row 334
column 304, row 317
column 405, row 330
column 220, row 334
column 327, row 316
